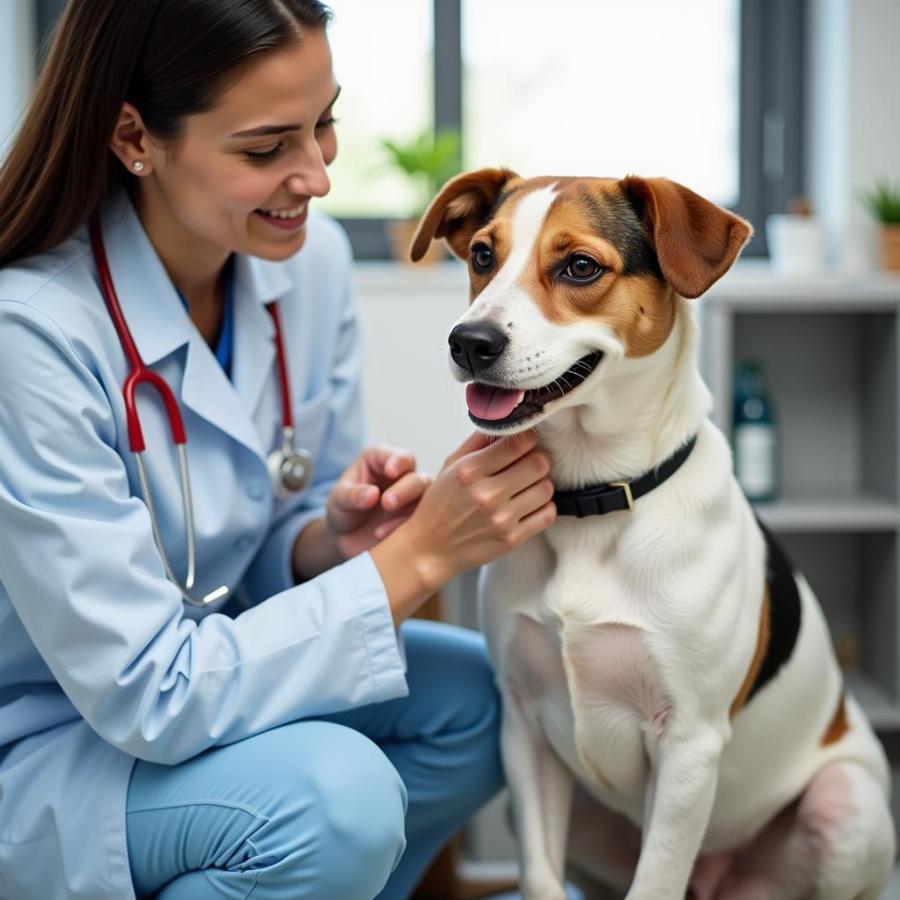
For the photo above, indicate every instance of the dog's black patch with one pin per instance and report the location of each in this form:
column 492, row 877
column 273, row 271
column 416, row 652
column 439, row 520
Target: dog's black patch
column 616, row 221
column 502, row 197
column 784, row 611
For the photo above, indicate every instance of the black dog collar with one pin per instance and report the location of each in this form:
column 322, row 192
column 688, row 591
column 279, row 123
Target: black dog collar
column 599, row 499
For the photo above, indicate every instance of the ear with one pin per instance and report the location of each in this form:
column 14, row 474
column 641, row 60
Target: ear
column 130, row 139
column 459, row 210
column 696, row 242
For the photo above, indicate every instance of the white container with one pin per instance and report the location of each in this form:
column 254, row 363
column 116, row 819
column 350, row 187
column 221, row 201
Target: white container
column 796, row 244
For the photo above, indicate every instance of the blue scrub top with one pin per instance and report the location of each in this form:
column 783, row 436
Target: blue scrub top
column 226, row 335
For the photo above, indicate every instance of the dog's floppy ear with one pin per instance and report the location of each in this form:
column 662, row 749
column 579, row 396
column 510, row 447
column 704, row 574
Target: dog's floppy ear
column 696, row 241
column 459, row 210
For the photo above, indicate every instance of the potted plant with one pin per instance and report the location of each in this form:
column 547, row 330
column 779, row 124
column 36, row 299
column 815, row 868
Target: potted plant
column 883, row 201
column 428, row 160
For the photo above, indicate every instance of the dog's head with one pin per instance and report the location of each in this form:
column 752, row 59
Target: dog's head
column 567, row 276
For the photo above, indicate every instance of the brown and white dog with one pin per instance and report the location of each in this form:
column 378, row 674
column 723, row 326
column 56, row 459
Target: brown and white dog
column 665, row 655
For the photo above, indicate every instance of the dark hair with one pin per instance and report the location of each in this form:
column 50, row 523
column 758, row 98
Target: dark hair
column 169, row 58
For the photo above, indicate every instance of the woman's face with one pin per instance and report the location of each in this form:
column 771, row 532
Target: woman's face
column 242, row 175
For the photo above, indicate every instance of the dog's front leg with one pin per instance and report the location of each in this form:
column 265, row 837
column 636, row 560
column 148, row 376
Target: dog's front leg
column 541, row 789
column 683, row 789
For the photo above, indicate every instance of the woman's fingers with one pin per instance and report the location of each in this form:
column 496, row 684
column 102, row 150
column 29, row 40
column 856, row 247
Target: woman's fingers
column 475, row 441
column 392, row 462
column 503, row 453
column 525, row 471
column 530, row 500
column 408, row 489
column 352, row 496
column 535, row 523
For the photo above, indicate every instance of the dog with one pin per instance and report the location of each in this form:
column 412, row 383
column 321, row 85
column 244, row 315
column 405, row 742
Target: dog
column 654, row 646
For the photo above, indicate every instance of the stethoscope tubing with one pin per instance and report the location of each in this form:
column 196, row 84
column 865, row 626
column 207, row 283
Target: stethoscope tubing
column 290, row 468
column 287, row 415
column 139, row 374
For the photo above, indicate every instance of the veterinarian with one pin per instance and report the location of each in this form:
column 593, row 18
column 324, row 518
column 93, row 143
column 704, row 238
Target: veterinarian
column 203, row 689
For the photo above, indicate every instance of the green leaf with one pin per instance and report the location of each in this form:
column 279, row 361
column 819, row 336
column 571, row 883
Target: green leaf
column 883, row 201
column 428, row 159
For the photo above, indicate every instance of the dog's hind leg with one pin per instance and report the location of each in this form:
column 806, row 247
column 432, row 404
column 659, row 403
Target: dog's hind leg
column 835, row 843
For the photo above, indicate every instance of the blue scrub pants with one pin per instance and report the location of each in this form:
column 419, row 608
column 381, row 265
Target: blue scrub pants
column 343, row 807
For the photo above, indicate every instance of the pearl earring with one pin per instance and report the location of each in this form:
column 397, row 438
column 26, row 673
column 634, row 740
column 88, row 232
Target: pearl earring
column 138, row 166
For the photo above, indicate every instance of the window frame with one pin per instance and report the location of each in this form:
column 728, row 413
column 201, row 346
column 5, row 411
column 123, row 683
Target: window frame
column 771, row 95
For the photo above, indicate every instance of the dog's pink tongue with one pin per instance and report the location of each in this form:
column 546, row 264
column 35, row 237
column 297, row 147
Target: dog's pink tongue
column 491, row 403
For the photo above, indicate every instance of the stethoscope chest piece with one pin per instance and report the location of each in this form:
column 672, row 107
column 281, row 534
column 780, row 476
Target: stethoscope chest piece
column 290, row 468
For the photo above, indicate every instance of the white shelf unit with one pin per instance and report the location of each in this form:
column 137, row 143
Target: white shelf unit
column 829, row 349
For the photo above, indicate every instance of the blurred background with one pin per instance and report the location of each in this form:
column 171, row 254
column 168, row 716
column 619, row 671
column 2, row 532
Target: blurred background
column 786, row 111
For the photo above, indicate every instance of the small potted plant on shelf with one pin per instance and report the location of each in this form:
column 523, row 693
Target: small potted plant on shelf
column 428, row 160
column 883, row 201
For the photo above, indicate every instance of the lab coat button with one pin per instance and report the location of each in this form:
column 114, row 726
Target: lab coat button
column 243, row 544
column 255, row 491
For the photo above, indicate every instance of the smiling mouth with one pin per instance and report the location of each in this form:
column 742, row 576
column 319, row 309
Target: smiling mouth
column 492, row 405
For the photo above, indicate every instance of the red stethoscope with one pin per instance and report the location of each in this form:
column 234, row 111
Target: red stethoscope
column 290, row 468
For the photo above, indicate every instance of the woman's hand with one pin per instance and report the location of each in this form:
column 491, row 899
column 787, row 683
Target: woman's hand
column 489, row 497
column 374, row 495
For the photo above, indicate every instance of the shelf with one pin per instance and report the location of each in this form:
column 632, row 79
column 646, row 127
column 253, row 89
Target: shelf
column 882, row 711
column 754, row 286
column 830, row 512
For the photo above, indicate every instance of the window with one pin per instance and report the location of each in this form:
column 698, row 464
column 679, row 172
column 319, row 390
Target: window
column 15, row 70
column 600, row 87
column 708, row 92
column 382, row 57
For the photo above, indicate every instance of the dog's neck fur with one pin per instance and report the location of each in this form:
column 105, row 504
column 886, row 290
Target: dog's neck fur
column 635, row 417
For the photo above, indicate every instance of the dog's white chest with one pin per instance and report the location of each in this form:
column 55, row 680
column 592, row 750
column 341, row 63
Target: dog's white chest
column 590, row 682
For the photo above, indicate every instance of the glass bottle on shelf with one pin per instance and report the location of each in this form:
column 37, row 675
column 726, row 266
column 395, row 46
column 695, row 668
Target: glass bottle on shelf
column 755, row 435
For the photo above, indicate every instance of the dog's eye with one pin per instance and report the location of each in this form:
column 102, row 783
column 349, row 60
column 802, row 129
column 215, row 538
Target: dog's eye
column 482, row 257
column 582, row 268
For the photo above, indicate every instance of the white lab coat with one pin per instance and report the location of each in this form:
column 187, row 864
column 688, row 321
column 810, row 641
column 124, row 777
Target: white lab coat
column 100, row 661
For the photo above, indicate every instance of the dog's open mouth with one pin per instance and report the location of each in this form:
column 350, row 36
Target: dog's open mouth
column 492, row 405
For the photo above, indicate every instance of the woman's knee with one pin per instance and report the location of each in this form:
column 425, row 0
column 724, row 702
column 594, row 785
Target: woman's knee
column 328, row 805
column 354, row 803
column 362, row 801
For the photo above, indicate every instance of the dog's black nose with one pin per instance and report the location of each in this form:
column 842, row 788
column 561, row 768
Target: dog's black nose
column 476, row 346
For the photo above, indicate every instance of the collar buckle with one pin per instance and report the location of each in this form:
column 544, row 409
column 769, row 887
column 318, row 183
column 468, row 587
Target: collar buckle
column 626, row 487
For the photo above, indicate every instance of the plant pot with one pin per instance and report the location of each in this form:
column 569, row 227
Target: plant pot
column 890, row 247
column 400, row 235
column 796, row 244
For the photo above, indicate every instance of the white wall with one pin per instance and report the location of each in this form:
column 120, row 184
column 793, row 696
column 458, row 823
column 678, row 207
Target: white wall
column 854, row 118
column 411, row 399
column 16, row 65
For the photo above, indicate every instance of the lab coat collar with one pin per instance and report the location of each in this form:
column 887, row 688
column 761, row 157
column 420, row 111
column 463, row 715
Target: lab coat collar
column 258, row 282
column 151, row 306
column 160, row 324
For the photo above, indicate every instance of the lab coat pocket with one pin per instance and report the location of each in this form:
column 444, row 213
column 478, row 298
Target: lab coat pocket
column 311, row 418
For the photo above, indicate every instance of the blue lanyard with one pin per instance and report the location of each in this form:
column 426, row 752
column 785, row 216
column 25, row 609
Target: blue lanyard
column 226, row 335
